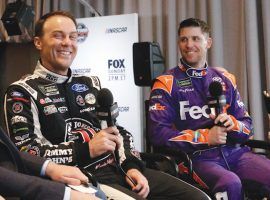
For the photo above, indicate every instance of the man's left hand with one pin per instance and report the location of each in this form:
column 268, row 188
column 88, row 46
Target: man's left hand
column 65, row 174
column 141, row 187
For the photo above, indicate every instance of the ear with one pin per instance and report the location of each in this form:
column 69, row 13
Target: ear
column 37, row 43
column 209, row 43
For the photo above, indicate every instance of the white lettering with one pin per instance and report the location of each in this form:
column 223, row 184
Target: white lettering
column 195, row 112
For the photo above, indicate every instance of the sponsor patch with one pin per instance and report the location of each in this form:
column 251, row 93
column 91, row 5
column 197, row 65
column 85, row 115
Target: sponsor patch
column 156, row 97
column 49, row 90
column 17, row 119
column 16, row 94
column 59, row 100
column 216, row 78
column 51, row 77
column 23, row 137
column 34, row 150
column 80, row 101
column 17, row 107
column 50, row 109
column 29, row 89
column 58, row 152
column 79, row 87
column 16, row 130
column 184, row 82
column 185, row 90
column 45, row 101
column 196, row 73
column 157, row 106
column 89, row 109
column 76, row 124
column 90, row 98
column 63, row 109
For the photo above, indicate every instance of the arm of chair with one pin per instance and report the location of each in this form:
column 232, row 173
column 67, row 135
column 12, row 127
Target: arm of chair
column 177, row 155
column 169, row 155
column 260, row 144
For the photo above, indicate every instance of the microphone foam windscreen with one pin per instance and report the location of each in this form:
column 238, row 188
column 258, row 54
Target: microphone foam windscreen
column 215, row 89
column 105, row 97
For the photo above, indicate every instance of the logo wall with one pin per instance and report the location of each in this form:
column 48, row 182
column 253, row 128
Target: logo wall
column 105, row 50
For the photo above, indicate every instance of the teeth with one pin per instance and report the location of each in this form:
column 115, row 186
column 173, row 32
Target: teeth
column 65, row 52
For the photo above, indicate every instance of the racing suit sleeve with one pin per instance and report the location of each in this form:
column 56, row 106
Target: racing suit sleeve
column 20, row 114
column 130, row 158
column 243, row 128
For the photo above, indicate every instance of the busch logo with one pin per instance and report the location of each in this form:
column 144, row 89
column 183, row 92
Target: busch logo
column 195, row 112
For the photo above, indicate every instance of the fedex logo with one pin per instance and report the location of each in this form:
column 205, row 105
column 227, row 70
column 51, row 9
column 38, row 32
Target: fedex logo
column 156, row 106
column 195, row 112
column 197, row 74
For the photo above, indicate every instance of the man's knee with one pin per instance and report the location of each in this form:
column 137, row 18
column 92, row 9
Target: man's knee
column 228, row 186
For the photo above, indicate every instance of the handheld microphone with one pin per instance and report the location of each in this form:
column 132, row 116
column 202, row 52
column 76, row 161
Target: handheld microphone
column 107, row 110
column 217, row 101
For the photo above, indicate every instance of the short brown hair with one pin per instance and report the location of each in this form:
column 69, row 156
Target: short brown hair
column 193, row 22
column 40, row 23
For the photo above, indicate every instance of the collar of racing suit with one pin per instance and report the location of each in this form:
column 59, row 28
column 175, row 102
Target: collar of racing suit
column 42, row 72
column 193, row 72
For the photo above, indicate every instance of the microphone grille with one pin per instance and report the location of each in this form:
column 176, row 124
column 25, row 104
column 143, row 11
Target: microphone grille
column 215, row 89
column 105, row 97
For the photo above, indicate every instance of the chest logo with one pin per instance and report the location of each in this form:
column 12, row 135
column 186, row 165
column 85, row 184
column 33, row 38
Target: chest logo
column 79, row 87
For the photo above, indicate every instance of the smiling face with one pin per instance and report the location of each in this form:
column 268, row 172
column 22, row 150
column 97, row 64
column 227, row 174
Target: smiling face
column 57, row 44
column 193, row 45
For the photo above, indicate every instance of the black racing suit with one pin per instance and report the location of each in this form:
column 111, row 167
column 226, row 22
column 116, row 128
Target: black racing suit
column 53, row 116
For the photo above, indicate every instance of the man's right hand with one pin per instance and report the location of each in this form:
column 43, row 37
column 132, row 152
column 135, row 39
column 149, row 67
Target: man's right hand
column 106, row 140
column 75, row 195
column 217, row 135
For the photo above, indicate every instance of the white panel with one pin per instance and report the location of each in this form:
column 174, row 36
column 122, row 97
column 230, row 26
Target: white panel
column 107, row 53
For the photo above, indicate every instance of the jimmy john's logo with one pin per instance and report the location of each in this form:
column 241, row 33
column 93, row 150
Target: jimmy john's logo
column 75, row 124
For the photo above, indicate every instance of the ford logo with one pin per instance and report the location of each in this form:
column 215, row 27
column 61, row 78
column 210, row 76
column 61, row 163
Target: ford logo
column 79, row 87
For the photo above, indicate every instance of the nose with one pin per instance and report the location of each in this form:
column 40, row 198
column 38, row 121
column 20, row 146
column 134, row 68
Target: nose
column 189, row 42
column 66, row 41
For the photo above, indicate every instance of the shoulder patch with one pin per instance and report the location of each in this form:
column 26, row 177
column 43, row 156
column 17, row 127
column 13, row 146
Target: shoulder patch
column 28, row 88
column 164, row 82
column 96, row 82
column 231, row 77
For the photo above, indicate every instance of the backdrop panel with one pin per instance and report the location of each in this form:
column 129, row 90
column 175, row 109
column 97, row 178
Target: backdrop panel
column 105, row 50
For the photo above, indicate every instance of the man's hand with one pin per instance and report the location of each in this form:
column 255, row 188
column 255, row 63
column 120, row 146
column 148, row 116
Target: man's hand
column 142, row 187
column 225, row 119
column 106, row 140
column 65, row 174
column 217, row 135
column 75, row 195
